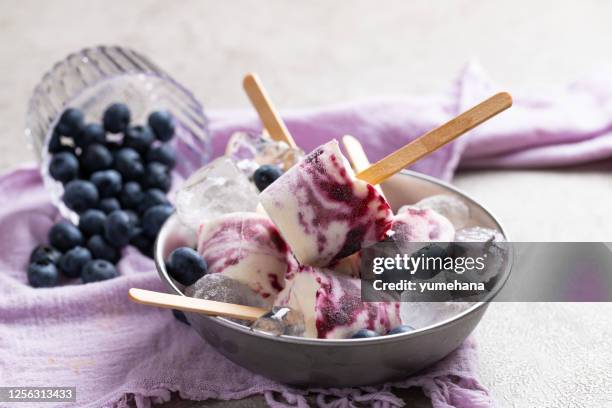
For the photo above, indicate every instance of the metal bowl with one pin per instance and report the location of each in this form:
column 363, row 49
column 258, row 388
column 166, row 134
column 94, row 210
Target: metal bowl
column 336, row 363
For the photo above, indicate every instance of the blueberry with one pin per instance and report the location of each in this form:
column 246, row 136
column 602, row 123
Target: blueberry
column 186, row 265
column 180, row 316
column 117, row 229
column 100, row 249
column 45, row 253
column 403, row 328
column 131, row 195
column 364, row 334
column 55, row 144
column 92, row 133
column 73, row 261
column 43, row 274
column 163, row 125
column 154, row 218
column 163, row 154
column 108, row 182
column 98, row 270
column 266, row 175
column 64, row 167
column 139, row 138
column 92, row 222
column 135, row 227
column 80, row 195
column 157, row 176
column 129, row 164
column 116, row 118
column 108, row 205
column 96, row 157
column 142, row 243
column 64, row 236
column 152, row 197
column 71, row 122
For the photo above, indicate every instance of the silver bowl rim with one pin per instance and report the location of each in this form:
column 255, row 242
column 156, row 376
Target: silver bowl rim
column 165, row 277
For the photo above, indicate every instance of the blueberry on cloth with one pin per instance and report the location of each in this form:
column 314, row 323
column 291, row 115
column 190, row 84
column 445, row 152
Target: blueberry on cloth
column 100, row 249
column 131, row 195
column 73, row 261
column 152, row 197
column 98, row 270
column 154, row 218
column 180, row 316
column 108, row 205
column 43, row 274
column 117, row 229
column 80, row 195
column 142, row 243
column 92, row 222
column 186, row 265
column 45, row 253
column 64, row 236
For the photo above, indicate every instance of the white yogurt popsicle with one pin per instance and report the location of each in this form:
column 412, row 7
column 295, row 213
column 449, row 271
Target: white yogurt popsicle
column 412, row 224
column 323, row 211
column 331, row 304
column 247, row 247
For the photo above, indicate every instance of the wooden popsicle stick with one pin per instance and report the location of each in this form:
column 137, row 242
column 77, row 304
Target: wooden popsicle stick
column 268, row 115
column 435, row 139
column 357, row 156
column 189, row 304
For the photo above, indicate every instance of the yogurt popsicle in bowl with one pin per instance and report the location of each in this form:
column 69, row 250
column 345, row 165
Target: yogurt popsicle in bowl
column 247, row 247
column 331, row 305
column 326, row 212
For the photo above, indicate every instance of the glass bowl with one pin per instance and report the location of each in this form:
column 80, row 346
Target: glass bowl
column 92, row 79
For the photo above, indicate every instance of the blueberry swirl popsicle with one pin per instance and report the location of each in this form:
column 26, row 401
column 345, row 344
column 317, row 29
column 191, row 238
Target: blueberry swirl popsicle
column 247, row 247
column 331, row 304
column 323, row 211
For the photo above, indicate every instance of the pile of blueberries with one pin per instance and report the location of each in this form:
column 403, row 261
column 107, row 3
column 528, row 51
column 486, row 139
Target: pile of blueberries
column 115, row 176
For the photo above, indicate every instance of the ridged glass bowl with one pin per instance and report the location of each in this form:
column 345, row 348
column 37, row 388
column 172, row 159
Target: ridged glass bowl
column 92, row 79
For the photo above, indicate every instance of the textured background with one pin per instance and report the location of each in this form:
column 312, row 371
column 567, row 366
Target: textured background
column 324, row 52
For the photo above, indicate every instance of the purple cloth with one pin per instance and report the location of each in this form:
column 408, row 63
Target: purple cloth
column 119, row 353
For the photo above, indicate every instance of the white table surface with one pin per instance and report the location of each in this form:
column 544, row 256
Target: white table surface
column 323, row 52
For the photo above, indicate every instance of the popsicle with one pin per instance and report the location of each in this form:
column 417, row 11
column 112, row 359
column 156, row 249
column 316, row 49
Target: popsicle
column 331, row 305
column 247, row 247
column 325, row 212
column 412, row 224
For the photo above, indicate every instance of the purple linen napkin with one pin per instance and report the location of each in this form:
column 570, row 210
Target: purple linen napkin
column 118, row 353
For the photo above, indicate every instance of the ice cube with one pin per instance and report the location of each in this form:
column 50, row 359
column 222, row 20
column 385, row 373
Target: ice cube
column 215, row 189
column 453, row 208
column 249, row 151
column 221, row 288
column 423, row 314
column 483, row 242
column 281, row 320
column 478, row 234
